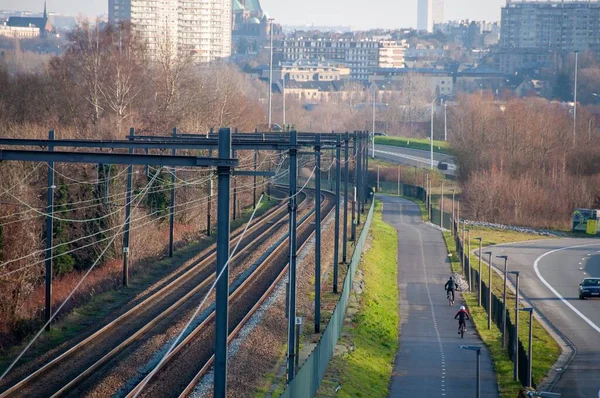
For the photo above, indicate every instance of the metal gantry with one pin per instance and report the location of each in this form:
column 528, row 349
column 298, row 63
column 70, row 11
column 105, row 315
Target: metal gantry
column 226, row 144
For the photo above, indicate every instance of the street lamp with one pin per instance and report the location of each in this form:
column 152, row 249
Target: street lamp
column 271, row 72
column 530, row 355
column 374, row 99
column 542, row 394
column 446, row 120
column 575, row 100
column 516, row 339
column 453, row 228
column 504, row 302
column 477, row 349
column 480, row 239
column 431, row 138
column 489, row 290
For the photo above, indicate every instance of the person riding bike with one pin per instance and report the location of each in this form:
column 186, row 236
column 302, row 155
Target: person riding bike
column 462, row 315
column 450, row 286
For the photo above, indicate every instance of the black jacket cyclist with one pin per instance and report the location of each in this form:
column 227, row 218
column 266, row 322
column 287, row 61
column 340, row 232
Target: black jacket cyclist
column 450, row 286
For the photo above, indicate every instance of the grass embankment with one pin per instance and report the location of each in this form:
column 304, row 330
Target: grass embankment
column 415, row 143
column 366, row 370
column 545, row 349
column 72, row 326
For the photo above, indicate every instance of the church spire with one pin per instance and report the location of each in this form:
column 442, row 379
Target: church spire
column 45, row 12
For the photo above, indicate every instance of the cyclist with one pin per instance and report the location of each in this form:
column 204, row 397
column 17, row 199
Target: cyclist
column 462, row 315
column 449, row 287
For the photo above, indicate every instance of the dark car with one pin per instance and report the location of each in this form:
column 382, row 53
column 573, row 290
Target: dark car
column 590, row 287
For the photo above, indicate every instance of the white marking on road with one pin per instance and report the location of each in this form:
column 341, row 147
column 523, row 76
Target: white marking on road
column 439, row 338
column 557, row 294
column 451, row 166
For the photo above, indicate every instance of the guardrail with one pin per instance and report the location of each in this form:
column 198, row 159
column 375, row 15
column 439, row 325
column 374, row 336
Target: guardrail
column 309, row 376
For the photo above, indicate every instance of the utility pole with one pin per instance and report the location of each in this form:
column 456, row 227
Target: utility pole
column 50, row 234
column 271, row 72
column 127, row 217
column 346, row 177
column 292, row 269
column 222, row 271
column 318, row 236
column 338, row 178
column 172, row 207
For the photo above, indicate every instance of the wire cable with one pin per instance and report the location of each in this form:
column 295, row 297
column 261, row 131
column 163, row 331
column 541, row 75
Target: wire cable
column 197, row 311
column 11, row 366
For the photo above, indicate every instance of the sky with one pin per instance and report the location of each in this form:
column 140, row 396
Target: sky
column 360, row 14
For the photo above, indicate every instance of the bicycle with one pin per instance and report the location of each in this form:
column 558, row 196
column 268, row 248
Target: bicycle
column 449, row 297
column 462, row 326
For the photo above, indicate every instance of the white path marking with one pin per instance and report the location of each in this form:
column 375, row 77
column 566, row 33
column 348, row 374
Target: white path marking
column 557, row 294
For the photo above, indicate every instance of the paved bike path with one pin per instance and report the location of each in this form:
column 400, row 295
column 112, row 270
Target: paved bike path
column 429, row 361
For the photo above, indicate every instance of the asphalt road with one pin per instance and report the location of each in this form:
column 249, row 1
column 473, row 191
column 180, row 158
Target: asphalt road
column 429, row 361
column 413, row 157
column 550, row 274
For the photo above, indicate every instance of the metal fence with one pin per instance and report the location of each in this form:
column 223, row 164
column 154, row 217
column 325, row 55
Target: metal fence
column 309, row 376
column 496, row 309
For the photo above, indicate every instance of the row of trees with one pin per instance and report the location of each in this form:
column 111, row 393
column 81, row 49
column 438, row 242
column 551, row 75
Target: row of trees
column 520, row 162
column 103, row 83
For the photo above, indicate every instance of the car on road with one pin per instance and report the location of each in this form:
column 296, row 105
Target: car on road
column 589, row 287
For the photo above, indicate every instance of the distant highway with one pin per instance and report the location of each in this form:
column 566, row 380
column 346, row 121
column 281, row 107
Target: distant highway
column 551, row 271
column 414, row 157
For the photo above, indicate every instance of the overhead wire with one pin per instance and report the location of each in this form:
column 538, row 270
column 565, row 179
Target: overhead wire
column 201, row 305
column 186, row 205
column 37, row 335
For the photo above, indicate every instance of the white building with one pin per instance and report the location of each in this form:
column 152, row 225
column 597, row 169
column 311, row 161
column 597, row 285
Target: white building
column 198, row 28
column 428, row 13
column 19, row 32
column 392, row 53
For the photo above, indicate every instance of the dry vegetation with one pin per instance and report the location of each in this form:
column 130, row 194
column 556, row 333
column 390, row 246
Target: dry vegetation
column 520, row 162
column 101, row 85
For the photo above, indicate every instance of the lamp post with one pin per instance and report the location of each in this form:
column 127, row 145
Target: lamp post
column 271, row 72
column 516, row 338
column 374, row 98
column 480, row 239
column 283, row 89
column 442, row 207
column 470, row 280
column 530, row 353
column 575, row 100
column 489, row 290
column 453, row 213
column 504, row 302
column 446, row 120
column 431, row 137
column 477, row 349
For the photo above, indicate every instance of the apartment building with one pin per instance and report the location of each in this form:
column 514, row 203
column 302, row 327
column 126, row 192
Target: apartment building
column 197, row 28
column 533, row 30
column 392, row 53
column 306, row 71
column 361, row 56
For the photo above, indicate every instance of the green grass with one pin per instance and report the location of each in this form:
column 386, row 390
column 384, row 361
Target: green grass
column 415, row 143
column 545, row 349
column 366, row 370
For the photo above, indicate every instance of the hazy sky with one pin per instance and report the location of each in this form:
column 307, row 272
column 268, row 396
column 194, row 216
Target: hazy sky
column 361, row 14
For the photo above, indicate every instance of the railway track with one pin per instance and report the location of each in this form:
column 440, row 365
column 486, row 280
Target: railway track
column 191, row 359
column 67, row 371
